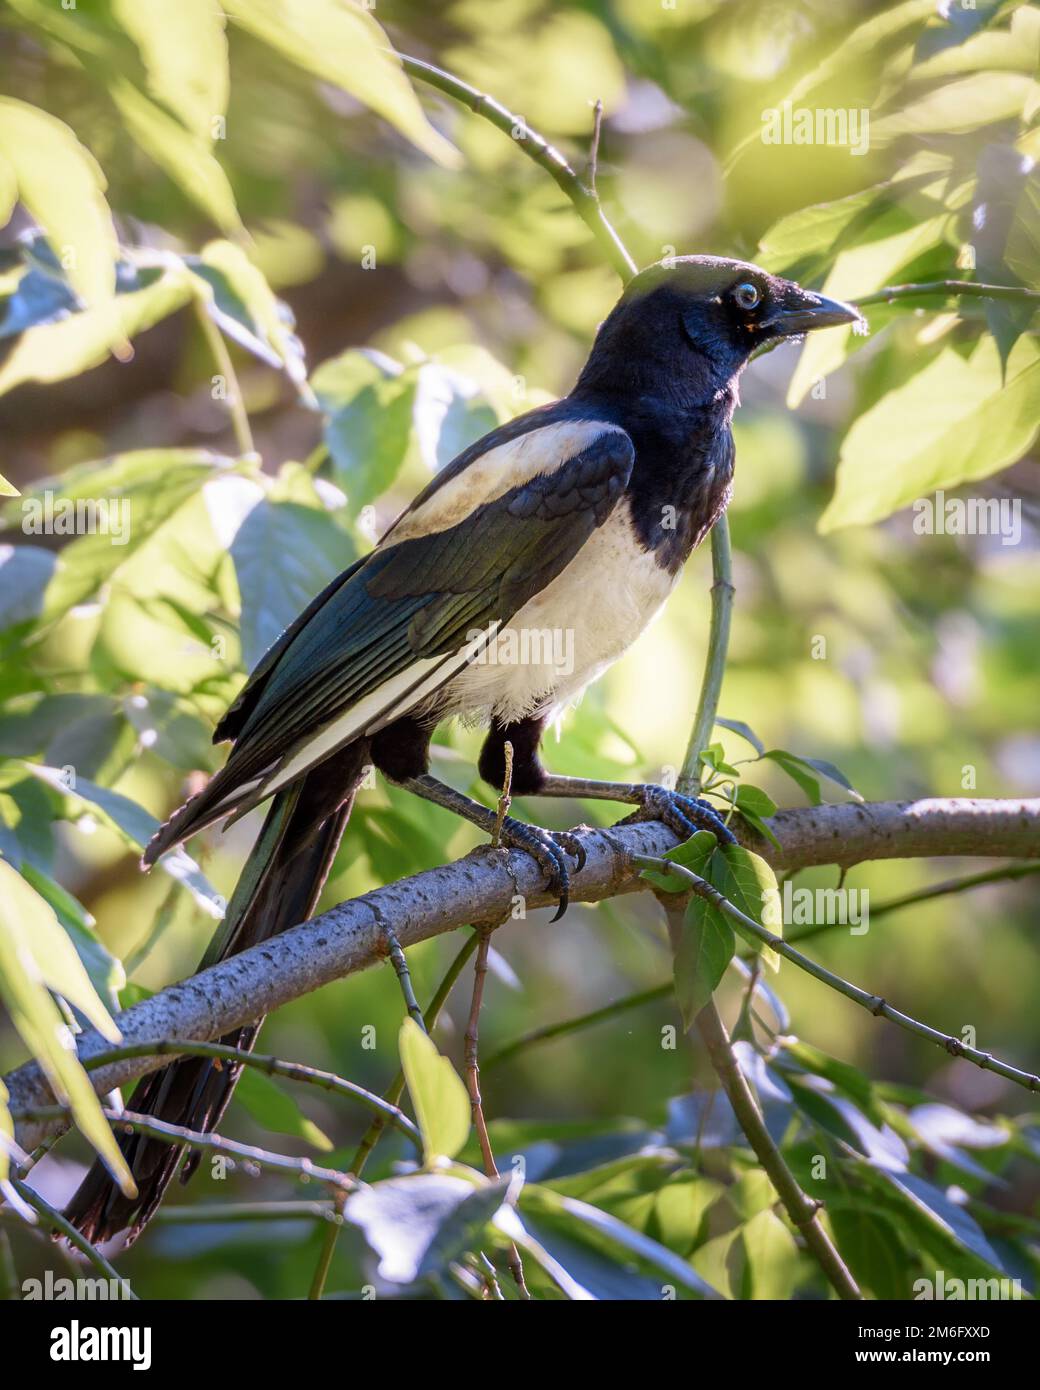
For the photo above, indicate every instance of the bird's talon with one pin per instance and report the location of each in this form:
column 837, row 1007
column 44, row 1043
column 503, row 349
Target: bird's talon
column 542, row 846
column 684, row 815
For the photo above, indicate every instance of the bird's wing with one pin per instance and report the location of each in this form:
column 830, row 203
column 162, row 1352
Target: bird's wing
column 480, row 541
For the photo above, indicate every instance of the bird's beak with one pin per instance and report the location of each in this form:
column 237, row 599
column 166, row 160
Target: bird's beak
column 802, row 311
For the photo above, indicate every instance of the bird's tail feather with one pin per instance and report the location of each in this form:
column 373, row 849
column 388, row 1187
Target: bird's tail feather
column 279, row 886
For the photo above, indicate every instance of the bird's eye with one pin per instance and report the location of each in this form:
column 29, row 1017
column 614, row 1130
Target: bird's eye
column 747, row 295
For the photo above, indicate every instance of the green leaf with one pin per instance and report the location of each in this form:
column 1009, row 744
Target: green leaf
column 754, row 801
column 69, row 346
column 185, row 156
column 311, row 549
column 745, row 731
column 858, row 270
column 439, row 1098
column 772, row 1268
column 870, row 1245
column 417, row 1225
column 344, row 45
column 1022, row 250
column 750, row 885
column 135, row 827
column 184, row 51
column 37, row 956
column 955, row 421
column 806, row 773
column 953, row 108
column 704, row 950
column 610, row 1236
column 243, row 305
column 753, row 804
column 271, row 1107
column 61, row 184
column 104, row 970
column 369, row 400
column 693, row 854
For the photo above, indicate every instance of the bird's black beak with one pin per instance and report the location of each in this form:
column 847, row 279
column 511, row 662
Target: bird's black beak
column 801, row 311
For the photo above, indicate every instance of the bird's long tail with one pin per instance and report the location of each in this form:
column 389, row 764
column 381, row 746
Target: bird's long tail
column 279, row 886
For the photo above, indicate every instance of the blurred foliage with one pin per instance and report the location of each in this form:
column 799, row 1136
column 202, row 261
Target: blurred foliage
column 204, row 203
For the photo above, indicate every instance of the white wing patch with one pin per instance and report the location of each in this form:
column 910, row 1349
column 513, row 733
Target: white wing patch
column 493, row 474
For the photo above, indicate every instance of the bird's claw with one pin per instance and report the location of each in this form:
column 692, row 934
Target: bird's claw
column 684, row 815
column 549, row 849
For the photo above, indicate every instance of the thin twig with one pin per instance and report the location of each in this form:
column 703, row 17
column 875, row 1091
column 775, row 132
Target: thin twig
column 471, row 1056
column 404, row 978
column 505, row 800
column 375, row 1130
column 592, row 167
column 873, row 1003
column 574, row 1025
column 244, row 1212
column 74, row 1237
column 584, row 199
column 273, row 1066
column 802, row 1210
column 166, row 1133
column 955, row 288
column 715, row 661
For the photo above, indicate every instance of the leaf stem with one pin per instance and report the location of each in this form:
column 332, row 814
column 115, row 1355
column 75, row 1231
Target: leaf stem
column 583, row 197
column 222, row 359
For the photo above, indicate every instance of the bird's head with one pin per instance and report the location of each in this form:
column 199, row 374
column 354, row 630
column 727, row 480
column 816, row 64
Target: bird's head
column 698, row 319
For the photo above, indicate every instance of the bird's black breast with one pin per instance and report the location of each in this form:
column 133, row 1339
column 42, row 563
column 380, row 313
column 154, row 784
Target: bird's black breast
column 681, row 480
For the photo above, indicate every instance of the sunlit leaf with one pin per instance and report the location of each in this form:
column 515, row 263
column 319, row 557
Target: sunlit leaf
column 60, row 183
column 37, row 956
column 185, row 55
column 344, row 45
column 440, row 1100
column 134, row 826
column 68, row 346
column 955, row 421
column 275, row 1109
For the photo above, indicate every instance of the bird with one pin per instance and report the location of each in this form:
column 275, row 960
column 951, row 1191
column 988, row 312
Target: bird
column 575, row 518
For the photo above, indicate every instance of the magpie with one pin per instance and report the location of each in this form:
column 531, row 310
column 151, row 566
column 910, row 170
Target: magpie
column 575, row 518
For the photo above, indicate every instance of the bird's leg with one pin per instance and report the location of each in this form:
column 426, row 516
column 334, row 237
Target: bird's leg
column 550, row 848
column 401, row 752
column 685, row 815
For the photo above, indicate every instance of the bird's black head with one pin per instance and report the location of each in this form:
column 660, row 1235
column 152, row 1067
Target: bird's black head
column 687, row 325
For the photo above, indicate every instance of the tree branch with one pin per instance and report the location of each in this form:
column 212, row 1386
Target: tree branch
column 803, row 1211
column 480, row 889
column 968, row 289
column 583, row 196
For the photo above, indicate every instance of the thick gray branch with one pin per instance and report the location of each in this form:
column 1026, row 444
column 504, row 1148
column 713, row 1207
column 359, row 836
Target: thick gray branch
column 483, row 887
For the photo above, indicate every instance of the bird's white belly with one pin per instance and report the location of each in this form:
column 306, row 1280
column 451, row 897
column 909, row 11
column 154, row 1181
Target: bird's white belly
column 567, row 635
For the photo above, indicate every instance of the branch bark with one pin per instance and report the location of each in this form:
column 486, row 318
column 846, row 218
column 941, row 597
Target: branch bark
column 485, row 887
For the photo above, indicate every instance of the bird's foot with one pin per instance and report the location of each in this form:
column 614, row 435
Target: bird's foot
column 684, row 815
column 550, row 849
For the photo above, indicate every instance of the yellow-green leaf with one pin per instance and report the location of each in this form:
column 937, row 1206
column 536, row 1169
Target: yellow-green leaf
column 8, row 489
column 185, row 156
column 35, row 957
column 62, row 185
column 439, row 1097
column 958, row 419
column 184, row 50
column 343, row 44
column 53, row 351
